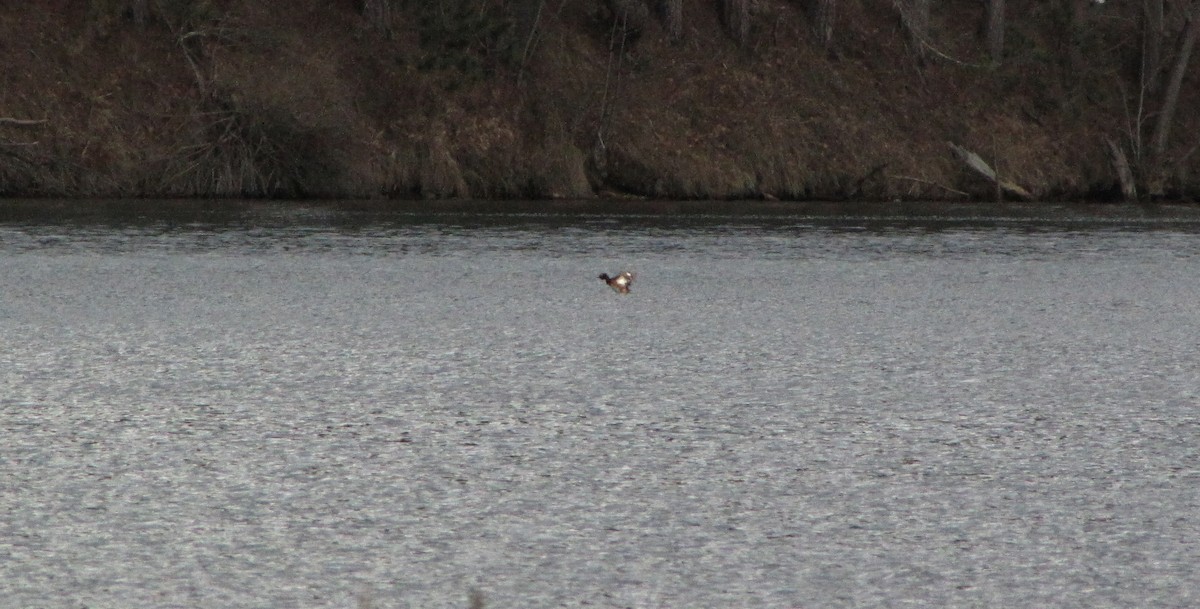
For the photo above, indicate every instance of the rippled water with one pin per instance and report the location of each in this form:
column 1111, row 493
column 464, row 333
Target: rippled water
column 311, row 406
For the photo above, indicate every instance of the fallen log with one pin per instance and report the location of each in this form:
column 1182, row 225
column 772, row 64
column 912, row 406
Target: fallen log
column 976, row 163
column 6, row 120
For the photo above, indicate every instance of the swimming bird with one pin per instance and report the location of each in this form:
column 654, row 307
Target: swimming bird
column 621, row 282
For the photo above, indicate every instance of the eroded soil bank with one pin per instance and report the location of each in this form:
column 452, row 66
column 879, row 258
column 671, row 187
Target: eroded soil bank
column 576, row 99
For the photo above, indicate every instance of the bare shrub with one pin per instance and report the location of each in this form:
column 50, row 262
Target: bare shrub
column 253, row 150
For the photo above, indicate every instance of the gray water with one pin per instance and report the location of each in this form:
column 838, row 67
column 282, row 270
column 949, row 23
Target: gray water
column 294, row 406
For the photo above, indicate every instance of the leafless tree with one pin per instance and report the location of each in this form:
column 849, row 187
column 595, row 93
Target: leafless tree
column 1078, row 25
column 140, row 10
column 1166, row 114
column 673, row 17
column 1152, row 40
column 823, row 13
column 914, row 14
column 630, row 15
column 378, row 14
column 736, row 14
column 919, row 20
column 995, row 29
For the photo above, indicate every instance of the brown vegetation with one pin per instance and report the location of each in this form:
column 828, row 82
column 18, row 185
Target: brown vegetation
column 787, row 99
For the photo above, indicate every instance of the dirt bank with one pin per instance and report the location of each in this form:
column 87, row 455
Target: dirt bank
column 569, row 99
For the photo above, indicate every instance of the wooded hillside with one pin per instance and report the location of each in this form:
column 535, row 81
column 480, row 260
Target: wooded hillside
column 787, row 99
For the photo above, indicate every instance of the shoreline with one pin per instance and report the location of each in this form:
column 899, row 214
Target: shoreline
column 320, row 211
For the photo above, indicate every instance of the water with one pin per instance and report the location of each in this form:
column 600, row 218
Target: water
column 256, row 405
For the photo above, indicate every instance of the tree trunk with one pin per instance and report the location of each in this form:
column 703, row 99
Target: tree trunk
column 823, row 13
column 1124, row 172
column 1152, row 39
column 995, row 29
column 736, row 14
column 140, row 10
column 673, row 17
column 1162, row 128
column 920, row 19
column 915, row 15
column 1076, row 28
column 632, row 15
column 378, row 14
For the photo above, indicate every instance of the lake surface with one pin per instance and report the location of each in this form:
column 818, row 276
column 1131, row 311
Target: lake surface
column 291, row 406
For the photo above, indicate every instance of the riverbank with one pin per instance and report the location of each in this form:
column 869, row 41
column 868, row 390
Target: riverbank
column 499, row 100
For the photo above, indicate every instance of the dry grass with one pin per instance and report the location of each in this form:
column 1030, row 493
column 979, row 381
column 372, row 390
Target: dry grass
column 311, row 101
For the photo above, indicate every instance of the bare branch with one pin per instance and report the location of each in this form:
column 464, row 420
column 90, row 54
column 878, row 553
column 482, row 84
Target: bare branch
column 928, row 183
column 995, row 29
column 529, row 42
column 23, row 122
column 920, row 35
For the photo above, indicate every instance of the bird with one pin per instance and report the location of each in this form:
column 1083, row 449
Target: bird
column 621, row 282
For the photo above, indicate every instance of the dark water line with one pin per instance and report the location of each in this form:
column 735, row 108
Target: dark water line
column 293, row 213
